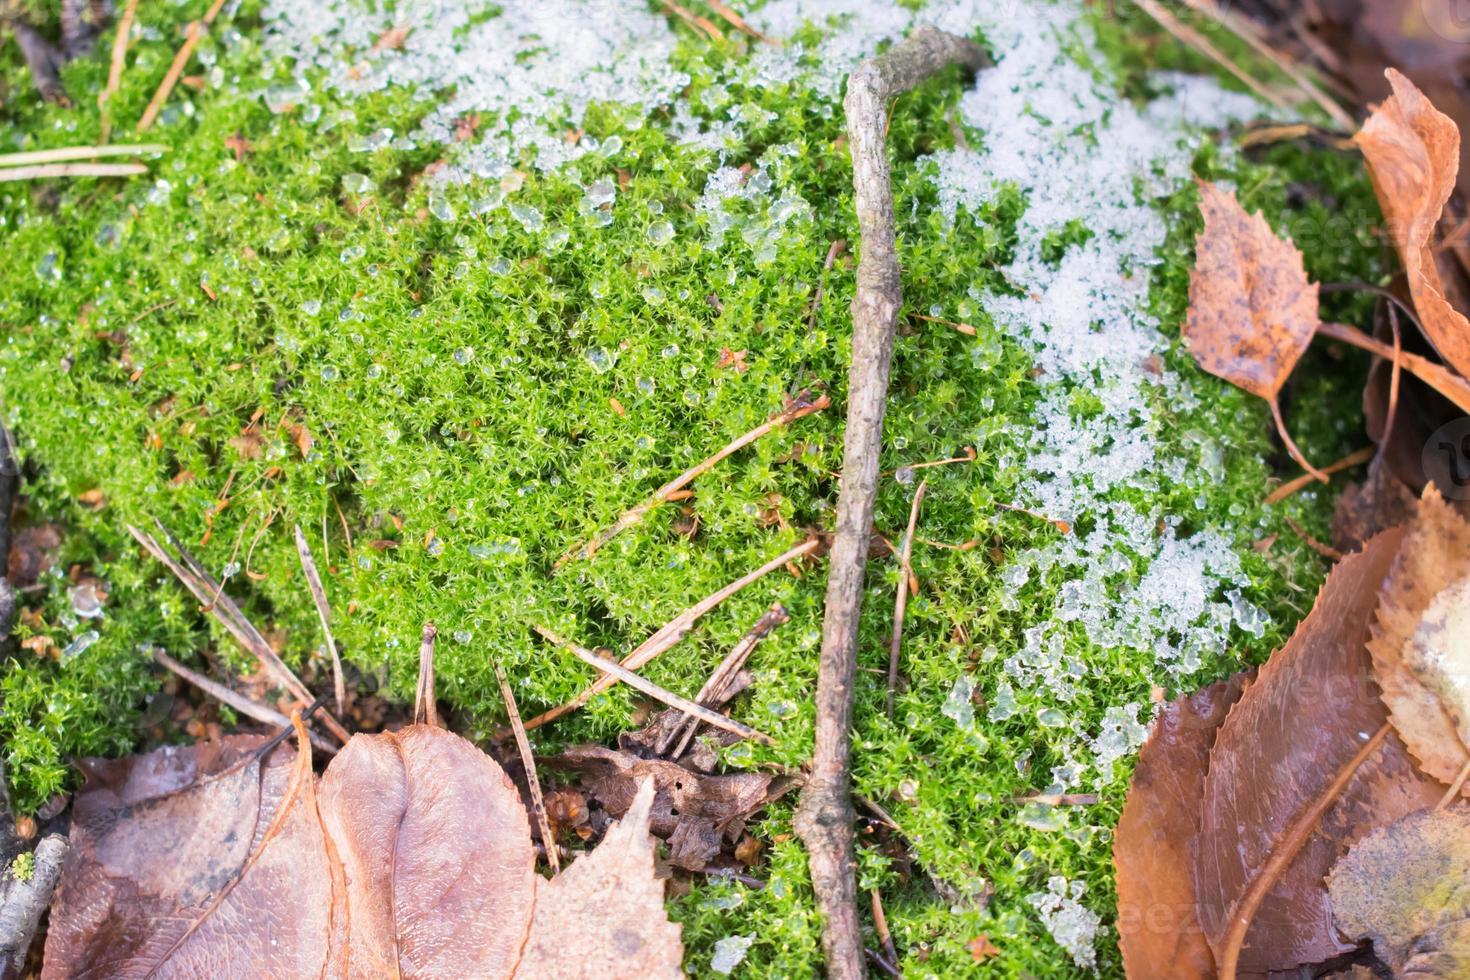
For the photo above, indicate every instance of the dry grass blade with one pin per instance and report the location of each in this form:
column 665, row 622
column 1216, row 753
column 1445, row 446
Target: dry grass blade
column 901, row 601
column 734, row 19
column 635, row 516
column 1355, row 458
column 528, row 761
column 618, row 672
column 68, row 153
column 213, row 601
column 963, row 328
column 119, row 61
column 714, row 689
column 72, row 170
column 1188, row 35
column 671, row 633
column 425, row 705
column 702, row 24
column 191, row 41
column 251, row 709
column 833, row 250
column 324, row 612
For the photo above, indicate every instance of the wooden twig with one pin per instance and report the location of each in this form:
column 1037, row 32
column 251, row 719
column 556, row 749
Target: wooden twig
column 713, row 691
column 528, row 762
column 9, row 487
column 702, row 24
column 249, row 708
column 213, row 601
column 1291, row 486
column 1200, row 43
column 192, row 37
column 616, row 670
column 1325, row 550
column 22, row 902
column 963, row 328
column 635, row 515
column 880, row 926
column 119, row 61
column 901, row 601
column 68, row 153
column 72, row 170
column 670, row 634
column 324, row 613
column 824, row 818
column 425, row 703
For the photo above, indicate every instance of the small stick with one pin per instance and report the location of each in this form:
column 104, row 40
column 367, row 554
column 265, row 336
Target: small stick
column 963, row 328
column 637, row 681
column 425, row 707
column 901, row 602
column 1326, row 551
column 882, row 963
column 702, row 24
column 1290, row 443
column 1436, row 376
column 528, row 761
column 1060, row 525
column 968, row 457
column 324, row 612
column 10, row 174
column 714, row 689
column 68, row 153
column 635, row 516
column 1354, row 458
column 22, row 903
column 880, row 926
column 1059, row 799
column 171, row 78
column 251, row 709
column 670, row 634
column 736, row 21
column 188, row 571
column 833, row 250
column 119, row 61
column 1196, row 40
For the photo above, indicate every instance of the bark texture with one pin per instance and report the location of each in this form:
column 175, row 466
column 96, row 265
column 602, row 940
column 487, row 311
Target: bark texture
column 22, row 902
column 825, row 817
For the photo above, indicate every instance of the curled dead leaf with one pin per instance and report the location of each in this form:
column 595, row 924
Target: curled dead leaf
column 1407, row 887
column 1413, row 156
column 1423, row 670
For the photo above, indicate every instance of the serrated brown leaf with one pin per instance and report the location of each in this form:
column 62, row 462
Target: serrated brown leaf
column 174, row 852
column 437, row 856
column 1252, row 312
column 1310, row 711
column 613, row 886
column 1407, row 887
column 1158, row 927
column 1413, row 155
column 1422, row 705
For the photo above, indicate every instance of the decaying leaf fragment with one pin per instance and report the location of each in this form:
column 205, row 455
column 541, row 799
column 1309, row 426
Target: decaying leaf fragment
column 1292, row 735
column 1407, row 887
column 1413, row 155
column 1420, row 658
column 1252, row 312
column 412, row 858
column 1158, row 927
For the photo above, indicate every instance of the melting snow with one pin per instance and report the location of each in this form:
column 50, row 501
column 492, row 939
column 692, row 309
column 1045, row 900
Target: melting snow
column 1073, row 925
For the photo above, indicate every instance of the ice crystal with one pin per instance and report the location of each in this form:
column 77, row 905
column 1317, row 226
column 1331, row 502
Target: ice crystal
column 1073, row 925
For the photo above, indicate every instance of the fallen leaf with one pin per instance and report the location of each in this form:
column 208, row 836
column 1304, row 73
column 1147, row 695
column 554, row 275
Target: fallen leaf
column 1252, row 312
column 691, row 810
column 1379, row 502
column 1407, row 887
column 32, row 553
column 93, row 499
column 1158, row 928
column 392, row 39
column 982, row 949
column 175, row 852
column 249, row 443
column 1426, row 701
column 614, row 887
column 411, row 858
column 1293, row 732
column 1413, row 155
column 302, row 437
column 732, row 359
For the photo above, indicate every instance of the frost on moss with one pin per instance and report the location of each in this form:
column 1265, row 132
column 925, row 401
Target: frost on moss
column 453, row 319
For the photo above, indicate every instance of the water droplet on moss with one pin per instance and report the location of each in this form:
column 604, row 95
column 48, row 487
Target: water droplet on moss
column 646, row 385
column 80, row 644
column 530, row 218
column 329, row 372
column 660, row 233
column 599, row 358
column 355, row 183
column 440, row 208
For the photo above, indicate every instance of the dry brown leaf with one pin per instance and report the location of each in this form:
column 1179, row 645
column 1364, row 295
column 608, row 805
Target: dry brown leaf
column 1252, row 312
column 412, row 858
column 1158, row 927
column 173, row 852
column 32, row 552
column 1407, row 887
column 392, row 39
column 1425, row 703
column 436, row 851
column 1413, row 156
column 614, row 887
column 1293, row 732
column 1379, row 502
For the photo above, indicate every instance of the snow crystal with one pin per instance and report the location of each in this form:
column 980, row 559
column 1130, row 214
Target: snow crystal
column 730, row 952
column 1073, row 925
column 958, row 706
column 1121, row 735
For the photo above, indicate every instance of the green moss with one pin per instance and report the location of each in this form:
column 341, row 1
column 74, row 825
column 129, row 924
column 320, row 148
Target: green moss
column 23, row 868
column 457, row 380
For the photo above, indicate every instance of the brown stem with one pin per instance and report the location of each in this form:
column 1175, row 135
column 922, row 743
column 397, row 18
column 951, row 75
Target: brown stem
column 528, row 762
column 119, row 61
column 324, row 613
column 1354, row 458
column 824, row 819
column 901, row 601
column 425, row 703
column 1296, row 836
column 1436, row 376
column 192, row 36
column 1291, row 446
